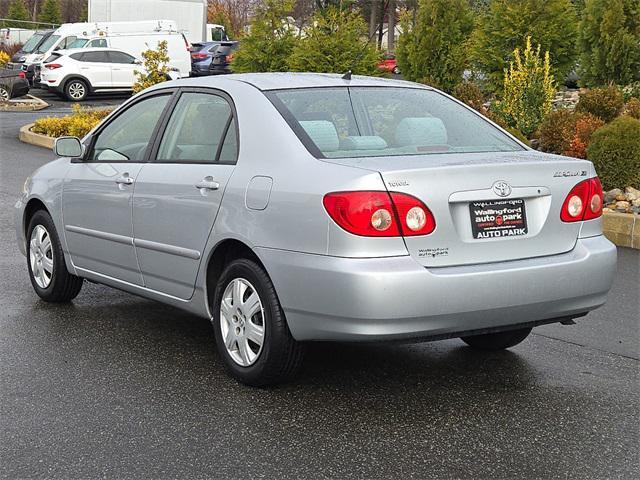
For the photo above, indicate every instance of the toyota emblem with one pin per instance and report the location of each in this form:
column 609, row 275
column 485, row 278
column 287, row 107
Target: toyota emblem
column 502, row 188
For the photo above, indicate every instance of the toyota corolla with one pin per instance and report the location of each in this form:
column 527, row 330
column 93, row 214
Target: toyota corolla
column 289, row 208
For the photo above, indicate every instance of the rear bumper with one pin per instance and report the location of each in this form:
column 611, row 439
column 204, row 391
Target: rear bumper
column 395, row 298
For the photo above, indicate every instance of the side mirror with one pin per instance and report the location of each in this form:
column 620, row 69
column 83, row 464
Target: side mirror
column 138, row 62
column 68, row 147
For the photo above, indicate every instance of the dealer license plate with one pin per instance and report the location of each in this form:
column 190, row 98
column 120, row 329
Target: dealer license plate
column 498, row 218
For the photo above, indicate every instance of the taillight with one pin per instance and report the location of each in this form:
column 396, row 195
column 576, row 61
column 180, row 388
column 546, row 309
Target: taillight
column 415, row 217
column 379, row 214
column 52, row 66
column 22, row 75
column 584, row 201
column 198, row 56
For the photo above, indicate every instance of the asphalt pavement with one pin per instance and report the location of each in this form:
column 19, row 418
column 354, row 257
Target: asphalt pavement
column 116, row 386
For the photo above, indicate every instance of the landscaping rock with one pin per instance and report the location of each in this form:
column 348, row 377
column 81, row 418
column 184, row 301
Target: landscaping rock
column 632, row 194
column 611, row 195
column 623, row 206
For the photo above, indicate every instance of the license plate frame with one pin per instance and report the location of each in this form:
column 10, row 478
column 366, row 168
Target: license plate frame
column 504, row 218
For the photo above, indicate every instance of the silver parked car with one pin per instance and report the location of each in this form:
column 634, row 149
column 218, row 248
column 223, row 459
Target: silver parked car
column 300, row 207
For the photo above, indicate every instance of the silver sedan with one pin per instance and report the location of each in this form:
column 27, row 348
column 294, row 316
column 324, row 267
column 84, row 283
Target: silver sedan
column 290, row 208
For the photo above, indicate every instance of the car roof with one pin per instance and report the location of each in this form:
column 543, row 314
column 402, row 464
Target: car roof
column 282, row 80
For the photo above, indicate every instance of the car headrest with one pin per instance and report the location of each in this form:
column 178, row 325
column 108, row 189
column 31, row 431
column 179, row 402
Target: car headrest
column 422, row 131
column 372, row 142
column 323, row 134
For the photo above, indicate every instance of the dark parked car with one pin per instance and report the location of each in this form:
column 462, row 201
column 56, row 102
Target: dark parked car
column 201, row 56
column 221, row 61
column 13, row 83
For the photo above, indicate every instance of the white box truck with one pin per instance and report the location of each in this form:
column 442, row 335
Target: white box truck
column 190, row 16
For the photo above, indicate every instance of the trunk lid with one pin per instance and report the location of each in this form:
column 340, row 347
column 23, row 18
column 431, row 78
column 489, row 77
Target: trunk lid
column 460, row 190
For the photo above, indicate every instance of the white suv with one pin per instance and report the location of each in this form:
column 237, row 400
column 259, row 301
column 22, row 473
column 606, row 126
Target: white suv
column 77, row 73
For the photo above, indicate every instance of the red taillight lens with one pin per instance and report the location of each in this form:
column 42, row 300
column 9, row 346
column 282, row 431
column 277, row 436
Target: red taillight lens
column 198, row 56
column 52, row 66
column 369, row 214
column 379, row 214
column 584, row 201
column 22, row 75
column 415, row 217
column 596, row 199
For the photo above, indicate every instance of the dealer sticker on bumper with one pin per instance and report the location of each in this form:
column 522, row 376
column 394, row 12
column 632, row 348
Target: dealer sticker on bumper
column 498, row 218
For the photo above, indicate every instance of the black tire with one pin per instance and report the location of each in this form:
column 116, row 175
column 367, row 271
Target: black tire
column 76, row 90
column 497, row 341
column 396, row 70
column 280, row 357
column 63, row 286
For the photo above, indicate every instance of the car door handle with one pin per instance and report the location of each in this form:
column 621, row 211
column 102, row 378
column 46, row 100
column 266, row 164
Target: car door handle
column 125, row 179
column 207, row 183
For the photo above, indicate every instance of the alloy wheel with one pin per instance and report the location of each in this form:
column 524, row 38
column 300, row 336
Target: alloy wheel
column 242, row 322
column 4, row 94
column 76, row 90
column 41, row 256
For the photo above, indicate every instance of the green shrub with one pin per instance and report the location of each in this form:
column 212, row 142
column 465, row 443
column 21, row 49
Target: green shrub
column 471, row 94
column 608, row 42
column 156, row 67
column 550, row 23
column 271, row 39
column 606, row 102
column 78, row 124
column 556, row 131
column 615, row 152
column 632, row 108
column 335, row 42
column 434, row 50
column 528, row 90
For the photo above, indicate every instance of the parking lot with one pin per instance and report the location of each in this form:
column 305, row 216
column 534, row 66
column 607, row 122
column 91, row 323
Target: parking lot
column 117, row 386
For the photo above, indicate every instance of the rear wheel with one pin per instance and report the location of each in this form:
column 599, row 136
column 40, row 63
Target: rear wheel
column 251, row 332
column 497, row 341
column 47, row 269
column 76, row 90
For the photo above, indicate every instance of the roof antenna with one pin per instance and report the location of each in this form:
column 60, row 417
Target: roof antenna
column 347, row 76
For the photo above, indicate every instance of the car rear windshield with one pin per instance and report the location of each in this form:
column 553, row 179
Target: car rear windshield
column 347, row 122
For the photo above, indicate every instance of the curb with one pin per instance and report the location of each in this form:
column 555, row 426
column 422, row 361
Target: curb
column 23, row 106
column 27, row 136
column 623, row 229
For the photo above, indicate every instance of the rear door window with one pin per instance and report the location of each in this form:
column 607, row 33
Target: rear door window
column 195, row 131
column 96, row 57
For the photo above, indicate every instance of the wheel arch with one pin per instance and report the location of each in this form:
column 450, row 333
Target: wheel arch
column 221, row 255
column 33, row 205
column 75, row 76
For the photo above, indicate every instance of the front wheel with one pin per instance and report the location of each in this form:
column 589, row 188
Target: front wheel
column 76, row 90
column 497, row 341
column 45, row 260
column 251, row 331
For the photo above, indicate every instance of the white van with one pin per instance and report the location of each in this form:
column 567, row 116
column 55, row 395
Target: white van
column 68, row 33
column 135, row 43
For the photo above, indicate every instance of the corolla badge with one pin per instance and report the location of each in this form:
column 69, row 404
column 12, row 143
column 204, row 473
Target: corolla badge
column 501, row 188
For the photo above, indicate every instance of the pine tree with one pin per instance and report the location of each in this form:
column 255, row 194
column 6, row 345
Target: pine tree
column 336, row 41
column 609, row 42
column 552, row 24
column 50, row 12
column 269, row 44
column 434, row 50
column 17, row 11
